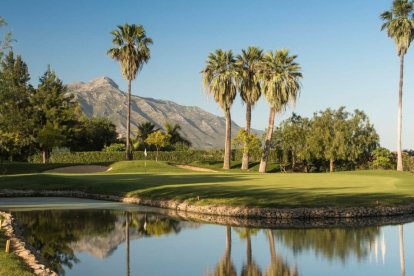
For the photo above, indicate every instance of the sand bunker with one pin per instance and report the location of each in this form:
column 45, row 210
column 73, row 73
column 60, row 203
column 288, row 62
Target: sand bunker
column 79, row 169
column 197, row 169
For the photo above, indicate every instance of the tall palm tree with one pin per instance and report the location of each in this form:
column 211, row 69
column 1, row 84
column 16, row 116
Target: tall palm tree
column 280, row 76
column 249, row 86
column 132, row 51
column 219, row 80
column 176, row 137
column 399, row 24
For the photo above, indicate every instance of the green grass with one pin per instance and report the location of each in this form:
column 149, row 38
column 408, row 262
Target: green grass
column 162, row 181
column 235, row 166
column 10, row 264
column 24, row 167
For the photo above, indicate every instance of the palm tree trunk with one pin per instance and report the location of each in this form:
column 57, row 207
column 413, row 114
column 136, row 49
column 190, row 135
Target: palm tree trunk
column 245, row 160
column 402, row 259
column 127, row 243
column 249, row 250
column 271, row 244
column 227, row 145
column 266, row 148
column 228, row 241
column 331, row 165
column 44, row 156
column 399, row 123
column 128, row 138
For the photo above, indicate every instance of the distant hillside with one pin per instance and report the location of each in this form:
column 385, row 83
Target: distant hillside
column 102, row 98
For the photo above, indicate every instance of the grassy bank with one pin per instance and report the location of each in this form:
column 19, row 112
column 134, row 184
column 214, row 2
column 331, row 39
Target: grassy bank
column 162, row 181
column 11, row 265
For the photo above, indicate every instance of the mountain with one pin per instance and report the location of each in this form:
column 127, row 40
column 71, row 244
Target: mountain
column 103, row 98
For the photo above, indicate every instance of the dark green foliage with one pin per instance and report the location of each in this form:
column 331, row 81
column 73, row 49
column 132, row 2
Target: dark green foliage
column 114, row 147
column 332, row 139
column 143, row 131
column 183, row 157
column 15, row 107
column 408, row 162
column 93, row 134
column 54, row 113
column 382, row 159
column 176, row 139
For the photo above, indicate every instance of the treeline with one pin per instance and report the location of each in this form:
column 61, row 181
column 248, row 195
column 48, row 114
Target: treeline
column 329, row 138
column 39, row 119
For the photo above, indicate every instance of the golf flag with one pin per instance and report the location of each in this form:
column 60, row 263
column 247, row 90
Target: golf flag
column 145, row 152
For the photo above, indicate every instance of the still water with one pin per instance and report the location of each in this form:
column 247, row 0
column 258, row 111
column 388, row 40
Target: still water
column 86, row 237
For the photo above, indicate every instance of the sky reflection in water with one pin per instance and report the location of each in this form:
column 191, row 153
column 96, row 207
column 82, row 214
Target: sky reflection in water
column 92, row 242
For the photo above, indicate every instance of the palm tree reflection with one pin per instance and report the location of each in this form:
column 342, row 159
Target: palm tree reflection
column 277, row 266
column 251, row 268
column 225, row 267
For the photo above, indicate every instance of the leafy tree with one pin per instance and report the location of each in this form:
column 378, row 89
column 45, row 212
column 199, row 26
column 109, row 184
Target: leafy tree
column 132, row 51
column 382, row 159
column 176, row 138
column 6, row 43
column 249, row 142
column 291, row 138
column 339, row 135
column 399, row 23
column 54, row 113
column 15, row 108
column 159, row 139
column 93, row 134
column 219, row 81
column 280, row 75
column 249, row 87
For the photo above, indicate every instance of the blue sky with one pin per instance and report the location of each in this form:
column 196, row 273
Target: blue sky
column 346, row 60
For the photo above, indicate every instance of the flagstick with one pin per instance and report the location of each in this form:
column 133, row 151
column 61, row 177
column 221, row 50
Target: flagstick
column 145, row 154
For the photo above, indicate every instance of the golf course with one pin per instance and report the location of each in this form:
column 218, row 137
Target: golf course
column 163, row 181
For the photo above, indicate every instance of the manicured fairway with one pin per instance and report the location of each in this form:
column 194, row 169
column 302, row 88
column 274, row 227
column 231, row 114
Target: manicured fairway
column 160, row 180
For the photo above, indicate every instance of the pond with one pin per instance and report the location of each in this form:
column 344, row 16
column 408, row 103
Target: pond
column 87, row 237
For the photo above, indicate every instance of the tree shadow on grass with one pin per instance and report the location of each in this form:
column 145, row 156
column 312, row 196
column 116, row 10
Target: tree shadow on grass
column 231, row 189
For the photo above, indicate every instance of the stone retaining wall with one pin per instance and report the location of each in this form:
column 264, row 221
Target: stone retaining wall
column 21, row 249
column 241, row 212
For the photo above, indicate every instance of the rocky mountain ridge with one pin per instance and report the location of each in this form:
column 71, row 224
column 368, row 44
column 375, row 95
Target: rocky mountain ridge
column 103, row 98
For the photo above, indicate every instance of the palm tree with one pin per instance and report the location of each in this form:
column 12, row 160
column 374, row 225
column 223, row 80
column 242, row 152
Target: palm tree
column 176, row 137
column 249, row 86
column 143, row 131
column 399, row 24
column 280, row 76
column 219, row 80
column 132, row 51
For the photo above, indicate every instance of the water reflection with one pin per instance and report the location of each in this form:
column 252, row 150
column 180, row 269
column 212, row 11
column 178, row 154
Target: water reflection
column 402, row 259
column 116, row 242
column 225, row 266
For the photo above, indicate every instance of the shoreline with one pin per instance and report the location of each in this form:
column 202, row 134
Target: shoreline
column 300, row 213
column 22, row 249
column 280, row 218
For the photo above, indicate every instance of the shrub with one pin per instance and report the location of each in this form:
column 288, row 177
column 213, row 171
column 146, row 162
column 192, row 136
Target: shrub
column 382, row 159
column 114, row 147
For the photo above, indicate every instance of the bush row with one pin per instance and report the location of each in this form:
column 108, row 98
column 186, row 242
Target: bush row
column 182, row 157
